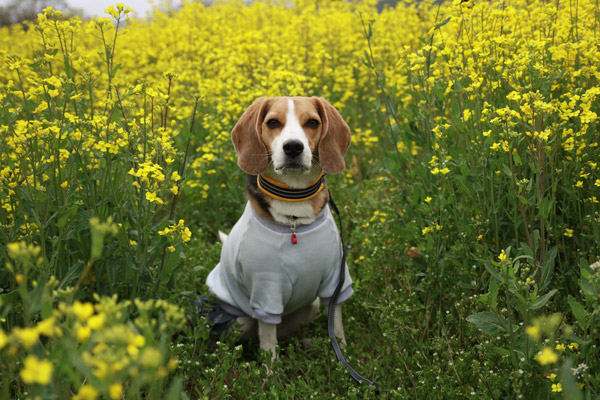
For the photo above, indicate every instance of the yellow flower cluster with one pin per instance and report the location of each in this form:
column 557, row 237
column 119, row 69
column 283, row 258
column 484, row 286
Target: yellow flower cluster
column 177, row 230
column 119, row 353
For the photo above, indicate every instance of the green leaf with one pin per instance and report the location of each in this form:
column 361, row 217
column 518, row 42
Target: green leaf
column 72, row 274
column 489, row 323
column 114, row 71
column 523, row 200
column 438, row 93
column 541, row 301
column 68, row 69
column 545, row 207
column 495, row 274
column 97, row 242
column 444, row 22
column 493, row 299
column 568, row 382
column 579, row 312
column 502, row 351
column 587, row 288
column 46, row 311
column 175, row 390
column 68, row 214
column 548, row 268
column 517, row 159
column 366, row 60
column 35, row 298
column 391, row 164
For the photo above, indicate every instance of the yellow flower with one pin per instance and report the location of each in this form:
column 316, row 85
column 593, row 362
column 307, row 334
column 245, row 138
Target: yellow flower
column 112, row 11
column 83, row 311
column 568, row 232
column 150, row 358
column 27, row 336
column 36, row 371
column 186, row 235
column 3, row 339
column 48, row 327
column 135, row 343
column 115, row 391
column 546, row 356
column 556, row 387
column 64, row 185
column 86, row 392
column 560, row 347
column 173, row 363
column 529, row 281
column 171, row 248
column 514, row 96
column 552, row 377
column 427, row 199
column 96, row 322
column 22, row 251
column 502, row 256
column 467, row 114
column 573, row 346
column 138, row 341
column 533, row 331
column 83, row 332
column 151, row 197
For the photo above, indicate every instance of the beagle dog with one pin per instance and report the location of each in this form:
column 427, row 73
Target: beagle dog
column 283, row 256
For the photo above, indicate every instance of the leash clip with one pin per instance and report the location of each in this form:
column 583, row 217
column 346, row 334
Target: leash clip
column 293, row 229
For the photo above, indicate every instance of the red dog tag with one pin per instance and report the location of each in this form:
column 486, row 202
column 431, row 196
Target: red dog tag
column 294, row 238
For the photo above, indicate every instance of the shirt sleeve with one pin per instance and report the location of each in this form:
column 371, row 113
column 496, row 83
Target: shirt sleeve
column 331, row 281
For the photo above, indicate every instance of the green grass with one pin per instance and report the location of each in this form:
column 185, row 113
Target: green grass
column 470, row 203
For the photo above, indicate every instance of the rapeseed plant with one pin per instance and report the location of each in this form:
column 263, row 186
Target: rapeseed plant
column 485, row 115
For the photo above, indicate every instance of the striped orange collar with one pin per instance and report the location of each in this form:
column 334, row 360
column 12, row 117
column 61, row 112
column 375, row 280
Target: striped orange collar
column 281, row 191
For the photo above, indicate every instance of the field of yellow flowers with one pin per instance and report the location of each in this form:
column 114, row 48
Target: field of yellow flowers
column 471, row 197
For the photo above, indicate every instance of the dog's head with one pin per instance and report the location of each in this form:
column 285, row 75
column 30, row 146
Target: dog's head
column 292, row 133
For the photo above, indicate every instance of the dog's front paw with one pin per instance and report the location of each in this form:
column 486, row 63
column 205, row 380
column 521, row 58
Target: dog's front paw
column 267, row 336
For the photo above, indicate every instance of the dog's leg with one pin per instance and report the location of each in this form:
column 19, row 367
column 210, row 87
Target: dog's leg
column 246, row 327
column 222, row 237
column 338, row 327
column 291, row 323
column 267, row 336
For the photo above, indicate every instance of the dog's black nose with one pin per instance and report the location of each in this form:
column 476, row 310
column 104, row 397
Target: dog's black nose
column 293, row 148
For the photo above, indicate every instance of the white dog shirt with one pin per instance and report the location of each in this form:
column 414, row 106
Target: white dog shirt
column 263, row 275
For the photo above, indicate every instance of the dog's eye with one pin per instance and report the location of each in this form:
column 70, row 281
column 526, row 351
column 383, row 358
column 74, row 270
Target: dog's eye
column 273, row 123
column 312, row 123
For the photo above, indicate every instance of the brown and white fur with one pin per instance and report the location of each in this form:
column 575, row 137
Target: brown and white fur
column 292, row 140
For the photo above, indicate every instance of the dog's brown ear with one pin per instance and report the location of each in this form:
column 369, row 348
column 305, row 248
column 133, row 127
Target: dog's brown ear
column 335, row 138
column 253, row 156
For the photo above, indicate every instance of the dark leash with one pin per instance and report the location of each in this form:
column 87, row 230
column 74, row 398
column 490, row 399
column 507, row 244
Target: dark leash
column 331, row 312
